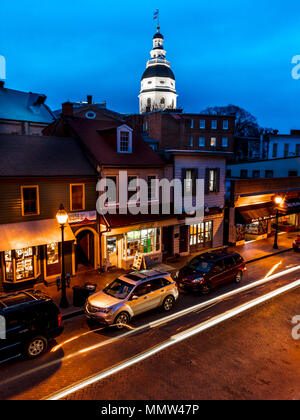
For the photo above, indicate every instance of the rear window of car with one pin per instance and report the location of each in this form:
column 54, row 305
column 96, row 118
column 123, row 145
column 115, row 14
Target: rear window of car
column 238, row 259
column 15, row 300
column 229, row 262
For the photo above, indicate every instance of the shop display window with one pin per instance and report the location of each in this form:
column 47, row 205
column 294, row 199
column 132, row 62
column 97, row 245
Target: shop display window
column 145, row 241
column 20, row 264
column 52, row 259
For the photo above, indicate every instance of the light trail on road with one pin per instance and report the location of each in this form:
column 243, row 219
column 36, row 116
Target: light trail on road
column 153, row 324
column 174, row 340
column 274, row 268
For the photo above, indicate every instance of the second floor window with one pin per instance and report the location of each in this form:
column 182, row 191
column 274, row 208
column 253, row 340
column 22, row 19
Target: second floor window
column 189, row 177
column 269, row 174
column 213, row 141
column 225, row 125
column 132, row 186
column 224, row 141
column 297, row 149
column 30, row 200
column 275, row 150
column 152, row 187
column 212, row 180
column 214, row 124
column 286, row 150
column 201, row 141
column 256, row 173
column 191, row 141
column 77, row 197
column 244, row 173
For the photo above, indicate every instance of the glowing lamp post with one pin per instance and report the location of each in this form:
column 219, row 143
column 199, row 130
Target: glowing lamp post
column 62, row 218
column 278, row 200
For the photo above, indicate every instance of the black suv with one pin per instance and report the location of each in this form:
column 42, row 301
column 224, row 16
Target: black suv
column 28, row 320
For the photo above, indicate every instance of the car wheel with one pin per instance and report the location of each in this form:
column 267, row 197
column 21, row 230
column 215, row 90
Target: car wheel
column 206, row 288
column 238, row 278
column 121, row 320
column 168, row 303
column 35, row 347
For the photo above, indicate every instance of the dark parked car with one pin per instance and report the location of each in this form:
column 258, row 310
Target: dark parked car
column 211, row 269
column 28, row 320
column 296, row 244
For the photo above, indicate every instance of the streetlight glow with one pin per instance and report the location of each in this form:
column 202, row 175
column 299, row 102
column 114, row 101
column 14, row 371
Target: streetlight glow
column 62, row 216
column 278, row 200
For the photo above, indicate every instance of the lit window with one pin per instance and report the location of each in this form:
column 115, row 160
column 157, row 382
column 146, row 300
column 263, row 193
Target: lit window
column 146, row 241
column 213, row 141
column 30, row 200
column 212, row 180
column 77, row 197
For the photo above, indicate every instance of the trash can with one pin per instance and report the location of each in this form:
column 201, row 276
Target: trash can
column 81, row 293
column 91, row 288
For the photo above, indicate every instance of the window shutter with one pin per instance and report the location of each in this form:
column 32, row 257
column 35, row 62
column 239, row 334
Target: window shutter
column 218, row 177
column 207, row 180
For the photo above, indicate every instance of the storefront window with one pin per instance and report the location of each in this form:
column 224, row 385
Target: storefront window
column 52, row 253
column 9, row 268
column 145, row 241
column 21, row 264
column 24, row 264
column 201, row 235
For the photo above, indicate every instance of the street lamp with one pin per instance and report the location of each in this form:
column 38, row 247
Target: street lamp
column 62, row 218
column 278, row 201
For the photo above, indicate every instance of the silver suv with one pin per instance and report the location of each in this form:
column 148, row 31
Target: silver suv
column 130, row 295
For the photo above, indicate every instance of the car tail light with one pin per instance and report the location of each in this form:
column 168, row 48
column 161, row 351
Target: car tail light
column 59, row 319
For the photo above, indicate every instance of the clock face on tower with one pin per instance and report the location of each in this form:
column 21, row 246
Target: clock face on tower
column 158, row 81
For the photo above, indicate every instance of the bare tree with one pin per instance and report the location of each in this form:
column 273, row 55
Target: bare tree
column 245, row 123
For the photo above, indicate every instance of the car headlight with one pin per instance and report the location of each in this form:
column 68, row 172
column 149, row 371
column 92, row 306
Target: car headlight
column 200, row 280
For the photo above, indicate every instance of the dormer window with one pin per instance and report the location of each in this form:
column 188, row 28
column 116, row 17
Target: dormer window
column 124, row 140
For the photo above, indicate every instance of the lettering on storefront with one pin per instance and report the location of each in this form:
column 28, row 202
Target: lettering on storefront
column 83, row 218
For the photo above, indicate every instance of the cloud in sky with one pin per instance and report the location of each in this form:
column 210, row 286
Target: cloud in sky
column 221, row 52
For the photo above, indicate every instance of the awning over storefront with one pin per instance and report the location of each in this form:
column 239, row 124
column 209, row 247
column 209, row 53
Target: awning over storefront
column 118, row 223
column 249, row 214
column 28, row 234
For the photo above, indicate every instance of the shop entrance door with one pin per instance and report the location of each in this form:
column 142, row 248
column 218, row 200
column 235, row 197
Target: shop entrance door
column 112, row 251
column 84, row 250
column 167, row 241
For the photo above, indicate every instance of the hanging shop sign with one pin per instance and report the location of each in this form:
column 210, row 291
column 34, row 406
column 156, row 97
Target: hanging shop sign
column 83, row 218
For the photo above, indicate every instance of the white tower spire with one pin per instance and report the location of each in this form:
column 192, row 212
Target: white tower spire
column 158, row 81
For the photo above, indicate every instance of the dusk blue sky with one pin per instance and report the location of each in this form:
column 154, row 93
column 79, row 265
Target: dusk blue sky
column 221, row 52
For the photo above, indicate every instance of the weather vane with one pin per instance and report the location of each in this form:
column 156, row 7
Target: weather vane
column 156, row 16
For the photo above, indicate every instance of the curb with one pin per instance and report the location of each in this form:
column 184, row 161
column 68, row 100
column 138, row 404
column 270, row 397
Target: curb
column 268, row 256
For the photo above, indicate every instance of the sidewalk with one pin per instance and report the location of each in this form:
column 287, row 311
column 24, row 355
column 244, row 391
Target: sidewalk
column 251, row 252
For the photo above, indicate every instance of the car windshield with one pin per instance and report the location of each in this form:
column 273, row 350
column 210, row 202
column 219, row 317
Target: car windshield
column 119, row 289
column 200, row 266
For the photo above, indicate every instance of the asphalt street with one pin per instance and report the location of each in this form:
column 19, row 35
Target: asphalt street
column 84, row 351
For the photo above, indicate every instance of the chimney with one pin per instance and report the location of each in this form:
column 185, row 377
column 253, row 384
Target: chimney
column 67, row 109
column 89, row 99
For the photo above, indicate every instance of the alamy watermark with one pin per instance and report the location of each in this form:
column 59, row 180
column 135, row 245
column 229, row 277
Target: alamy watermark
column 2, row 68
column 2, row 328
column 159, row 196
